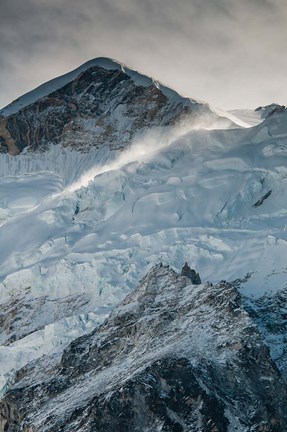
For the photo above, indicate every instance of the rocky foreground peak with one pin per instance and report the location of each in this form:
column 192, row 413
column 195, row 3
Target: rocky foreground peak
column 172, row 356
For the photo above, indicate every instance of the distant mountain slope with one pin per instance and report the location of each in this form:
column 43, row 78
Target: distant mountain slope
column 256, row 116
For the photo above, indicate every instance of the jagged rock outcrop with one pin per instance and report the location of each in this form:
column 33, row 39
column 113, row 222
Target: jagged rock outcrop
column 168, row 358
column 190, row 274
column 104, row 104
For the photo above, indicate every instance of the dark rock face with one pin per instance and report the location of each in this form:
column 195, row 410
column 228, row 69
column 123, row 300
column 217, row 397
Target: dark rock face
column 190, row 274
column 99, row 107
column 269, row 313
column 169, row 358
column 167, row 397
column 7, row 142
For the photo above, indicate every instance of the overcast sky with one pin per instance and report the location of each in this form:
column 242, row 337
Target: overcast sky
column 231, row 53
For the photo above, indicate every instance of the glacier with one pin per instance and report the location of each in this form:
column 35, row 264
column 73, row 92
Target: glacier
column 78, row 230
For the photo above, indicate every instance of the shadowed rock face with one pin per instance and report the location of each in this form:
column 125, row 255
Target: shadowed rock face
column 269, row 313
column 166, row 396
column 171, row 357
column 7, row 142
column 98, row 107
column 190, row 274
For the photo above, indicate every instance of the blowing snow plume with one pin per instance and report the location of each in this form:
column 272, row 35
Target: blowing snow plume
column 146, row 144
column 141, row 149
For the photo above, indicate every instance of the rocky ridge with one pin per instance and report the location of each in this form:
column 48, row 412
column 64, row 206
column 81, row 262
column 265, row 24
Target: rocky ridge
column 171, row 357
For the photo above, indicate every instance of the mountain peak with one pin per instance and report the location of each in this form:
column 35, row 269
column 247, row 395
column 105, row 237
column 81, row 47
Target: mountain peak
column 55, row 84
column 101, row 103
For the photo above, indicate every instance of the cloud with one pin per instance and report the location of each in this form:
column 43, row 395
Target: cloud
column 227, row 52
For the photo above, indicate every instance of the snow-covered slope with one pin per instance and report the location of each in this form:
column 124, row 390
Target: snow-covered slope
column 249, row 116
column 78, row 230
column 255, row 117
